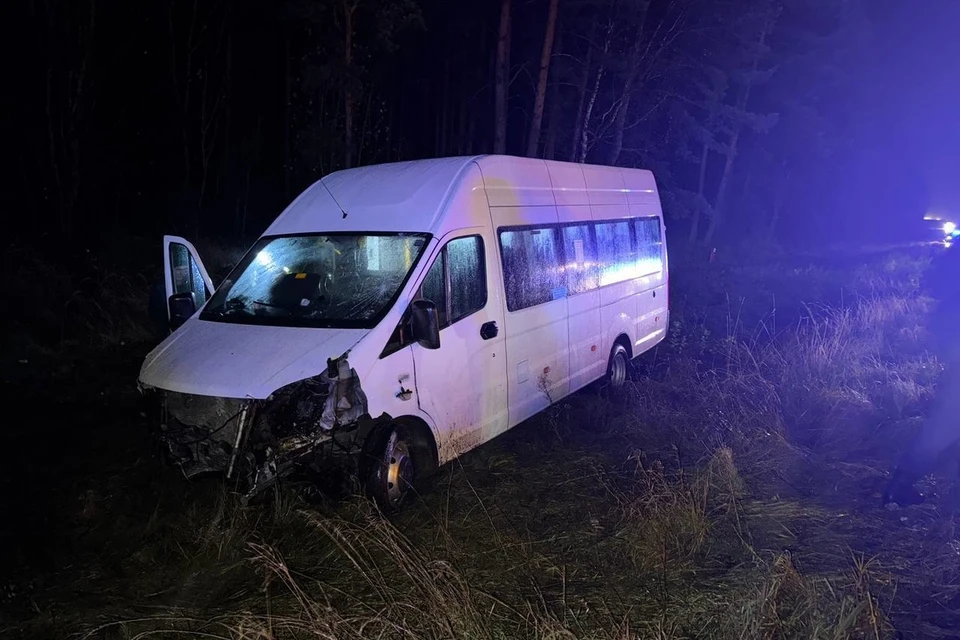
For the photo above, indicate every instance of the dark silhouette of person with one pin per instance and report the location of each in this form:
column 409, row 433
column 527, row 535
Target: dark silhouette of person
column 941, row 429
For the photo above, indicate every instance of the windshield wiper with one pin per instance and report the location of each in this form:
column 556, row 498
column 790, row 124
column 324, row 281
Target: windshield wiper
column 231, row 305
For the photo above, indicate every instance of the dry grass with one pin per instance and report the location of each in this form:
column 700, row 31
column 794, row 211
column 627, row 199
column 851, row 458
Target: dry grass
column 732, row 493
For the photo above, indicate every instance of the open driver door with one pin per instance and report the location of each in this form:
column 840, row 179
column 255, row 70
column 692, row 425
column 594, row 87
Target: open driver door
column 187, row 286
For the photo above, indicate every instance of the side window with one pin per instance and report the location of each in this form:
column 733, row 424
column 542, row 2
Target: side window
column 649, row 246
column 457, row 281
column 615, row 240
column 186, row 274
column 434, row 287
column 531, row 267
column 580, row 253
column 468, row 278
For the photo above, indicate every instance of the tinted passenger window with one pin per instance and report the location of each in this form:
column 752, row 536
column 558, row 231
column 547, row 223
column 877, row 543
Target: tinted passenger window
column 580, row 254
column 615, row 241
column 650, row 246
column 531, row 267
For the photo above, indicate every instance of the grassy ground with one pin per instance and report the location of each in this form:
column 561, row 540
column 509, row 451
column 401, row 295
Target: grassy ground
column 731, row 492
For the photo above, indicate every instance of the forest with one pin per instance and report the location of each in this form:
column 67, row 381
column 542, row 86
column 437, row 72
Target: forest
column 206, row 118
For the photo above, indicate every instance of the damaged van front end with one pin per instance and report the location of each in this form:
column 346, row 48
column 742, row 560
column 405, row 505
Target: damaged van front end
column 313, row 424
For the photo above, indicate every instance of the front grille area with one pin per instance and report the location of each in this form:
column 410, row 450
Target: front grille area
column 200, row 432
column 202, row 411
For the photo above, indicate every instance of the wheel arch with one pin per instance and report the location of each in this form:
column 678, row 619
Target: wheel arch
column 623, row 340
column 424, row 435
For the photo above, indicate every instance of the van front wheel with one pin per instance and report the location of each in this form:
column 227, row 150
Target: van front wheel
column 619, row 369
column 393, row 466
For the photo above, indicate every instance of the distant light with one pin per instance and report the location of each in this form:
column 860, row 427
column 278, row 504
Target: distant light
column 949, row 227
column 264, row 258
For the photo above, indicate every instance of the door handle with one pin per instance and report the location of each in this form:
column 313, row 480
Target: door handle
column 489, row 330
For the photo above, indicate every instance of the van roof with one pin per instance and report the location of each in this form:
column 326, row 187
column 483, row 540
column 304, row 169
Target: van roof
column 409, row 196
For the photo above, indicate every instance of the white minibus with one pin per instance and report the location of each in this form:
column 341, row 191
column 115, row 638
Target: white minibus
column 396, row 316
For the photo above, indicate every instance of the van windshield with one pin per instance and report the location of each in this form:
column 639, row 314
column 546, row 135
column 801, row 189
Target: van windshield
column 331, row 280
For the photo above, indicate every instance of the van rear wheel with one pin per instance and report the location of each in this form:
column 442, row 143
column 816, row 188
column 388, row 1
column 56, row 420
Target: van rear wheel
column 394, row 466
column 619, row 368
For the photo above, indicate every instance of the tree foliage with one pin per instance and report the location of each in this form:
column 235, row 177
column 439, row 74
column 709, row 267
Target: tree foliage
column 225, row 109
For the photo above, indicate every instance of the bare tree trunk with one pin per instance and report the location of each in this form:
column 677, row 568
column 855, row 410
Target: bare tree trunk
column 287, row 117
column 472, row 136
column 225, row 174
column 632, row 74
column 66, row 107
column 778, row 203
column 437, row 119
column 620, row 121
column 317, row 157
column 445, row 114
column 742, row 100
column 582, row 94
column 53, row 146
column 211, row 100
column 533, row 140
column 553, row 98
column 701, row 185
column 585, row 124
column 502, row 79
column 243, row 205
column 441, row 115
column 348, row 96
column 365, row 128
column 462, row 119
column 182, row 90
column 718, row 209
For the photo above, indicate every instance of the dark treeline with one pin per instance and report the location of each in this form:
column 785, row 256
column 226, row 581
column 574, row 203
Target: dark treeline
column 205, row 117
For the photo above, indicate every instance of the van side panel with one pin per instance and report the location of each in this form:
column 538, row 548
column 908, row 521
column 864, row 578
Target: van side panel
column 516, row 182
column 537, row 340
column 588, row 360
column 563, row 343
column 569, row 186
column 463, row 384
column 652, row 311
column 452, row 389
column 389, row 384
column 618, row 304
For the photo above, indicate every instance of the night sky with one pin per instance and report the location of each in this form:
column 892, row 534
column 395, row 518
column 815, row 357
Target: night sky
column 916, row 51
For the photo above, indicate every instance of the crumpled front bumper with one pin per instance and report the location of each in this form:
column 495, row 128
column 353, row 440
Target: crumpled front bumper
column 258, row 442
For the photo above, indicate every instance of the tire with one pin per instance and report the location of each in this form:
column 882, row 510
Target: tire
column 618, row 371
column 396, row 464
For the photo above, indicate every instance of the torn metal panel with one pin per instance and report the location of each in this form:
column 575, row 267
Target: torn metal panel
column 260, row 441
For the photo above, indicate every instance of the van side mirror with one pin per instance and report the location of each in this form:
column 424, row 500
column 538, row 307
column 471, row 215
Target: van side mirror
column 182, row 306
column 425, row 323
